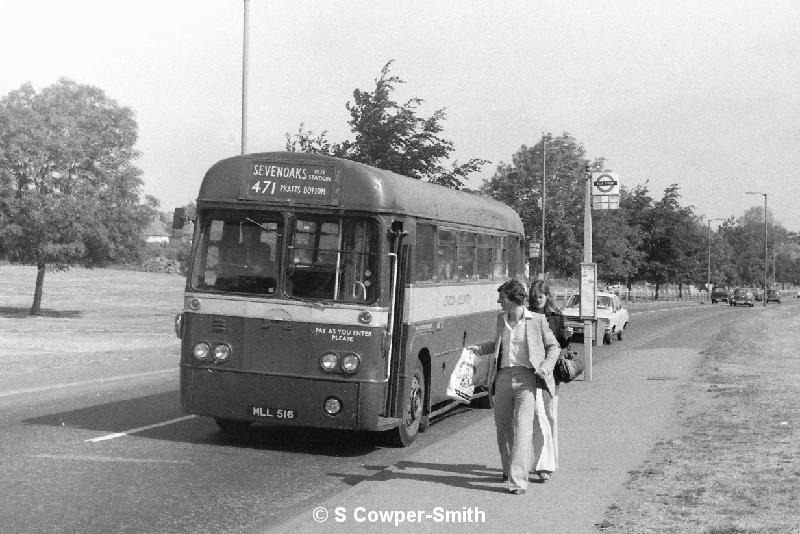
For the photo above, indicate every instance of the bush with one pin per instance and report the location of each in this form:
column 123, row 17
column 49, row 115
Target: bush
column 172, row 258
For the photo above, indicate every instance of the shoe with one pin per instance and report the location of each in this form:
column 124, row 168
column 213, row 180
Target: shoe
column 505, row 477
column 544, row 475
column 517, row 491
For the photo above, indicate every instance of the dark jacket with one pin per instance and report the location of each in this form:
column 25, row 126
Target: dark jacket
column 556, row 321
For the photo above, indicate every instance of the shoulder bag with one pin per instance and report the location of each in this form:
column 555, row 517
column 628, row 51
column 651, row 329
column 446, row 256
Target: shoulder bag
column 568, row 366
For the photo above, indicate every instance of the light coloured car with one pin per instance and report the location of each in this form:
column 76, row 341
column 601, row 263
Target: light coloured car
column 742, row 297
column 611, row 316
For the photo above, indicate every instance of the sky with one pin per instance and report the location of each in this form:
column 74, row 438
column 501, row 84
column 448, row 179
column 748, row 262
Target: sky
column 703, row 94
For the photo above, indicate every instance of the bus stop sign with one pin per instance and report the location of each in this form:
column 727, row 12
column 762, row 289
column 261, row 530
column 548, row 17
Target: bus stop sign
column 605, row 183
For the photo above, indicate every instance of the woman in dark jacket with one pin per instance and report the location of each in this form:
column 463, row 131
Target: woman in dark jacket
column 540, row 301
column 545, row 429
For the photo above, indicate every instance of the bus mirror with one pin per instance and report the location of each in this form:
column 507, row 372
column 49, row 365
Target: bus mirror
column 178, row 218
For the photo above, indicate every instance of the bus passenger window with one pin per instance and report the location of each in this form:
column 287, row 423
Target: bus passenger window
column 446, row 256
column 483, row 265
column 514, row 257
column 424, row 253
column 500, row 264
column 466, row 255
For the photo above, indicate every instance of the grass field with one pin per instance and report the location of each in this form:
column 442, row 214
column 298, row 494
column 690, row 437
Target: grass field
column 736, row 467
column 90, row 317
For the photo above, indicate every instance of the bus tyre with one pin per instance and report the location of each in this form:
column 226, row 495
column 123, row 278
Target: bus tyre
column 232, row 427
column 412, row 414
column 608, row 338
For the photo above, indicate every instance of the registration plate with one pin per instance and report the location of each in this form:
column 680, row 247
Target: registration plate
column 272, row 413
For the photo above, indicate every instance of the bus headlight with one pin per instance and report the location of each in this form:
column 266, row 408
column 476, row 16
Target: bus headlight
column 202, row 351
column 222, row 352
column 333, row 405
column 329, row 362
column 350, row 363
column 179, row 325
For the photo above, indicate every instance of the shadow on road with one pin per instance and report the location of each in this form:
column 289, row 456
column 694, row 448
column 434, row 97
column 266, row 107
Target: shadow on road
column 22, row 313
column 139, row 412
column 467, row 476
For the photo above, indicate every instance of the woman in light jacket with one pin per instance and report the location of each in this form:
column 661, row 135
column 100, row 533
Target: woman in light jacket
column 545, row 422
column 521, row 373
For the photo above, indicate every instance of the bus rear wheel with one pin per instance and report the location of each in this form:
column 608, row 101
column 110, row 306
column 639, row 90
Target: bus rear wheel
column 413, row 407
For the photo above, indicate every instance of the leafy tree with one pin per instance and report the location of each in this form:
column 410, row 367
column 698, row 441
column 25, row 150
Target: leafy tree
column 391, row 136
column 617, row 238
column 673, row 243
column 519, row 184
column 723, row 272
column 70, row 193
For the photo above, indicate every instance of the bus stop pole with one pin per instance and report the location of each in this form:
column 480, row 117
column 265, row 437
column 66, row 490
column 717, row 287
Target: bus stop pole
column 588, row 331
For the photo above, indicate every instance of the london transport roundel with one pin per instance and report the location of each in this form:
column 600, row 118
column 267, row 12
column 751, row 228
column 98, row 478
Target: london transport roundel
column 605, row 183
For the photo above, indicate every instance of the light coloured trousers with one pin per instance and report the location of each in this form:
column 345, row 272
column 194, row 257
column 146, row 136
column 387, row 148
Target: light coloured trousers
column 525, row 417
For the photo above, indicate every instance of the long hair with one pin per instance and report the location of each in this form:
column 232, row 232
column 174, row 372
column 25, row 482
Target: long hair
column 540, row 287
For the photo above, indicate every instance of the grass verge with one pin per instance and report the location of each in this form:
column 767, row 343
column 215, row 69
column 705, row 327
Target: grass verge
column 735, row 469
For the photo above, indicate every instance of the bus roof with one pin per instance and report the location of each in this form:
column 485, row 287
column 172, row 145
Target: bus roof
column 358, row 187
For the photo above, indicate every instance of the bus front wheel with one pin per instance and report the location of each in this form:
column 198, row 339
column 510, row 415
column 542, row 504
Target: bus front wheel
column 413, row 407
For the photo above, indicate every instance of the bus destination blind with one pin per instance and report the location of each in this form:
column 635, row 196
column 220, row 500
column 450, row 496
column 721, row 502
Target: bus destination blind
column 288, row 182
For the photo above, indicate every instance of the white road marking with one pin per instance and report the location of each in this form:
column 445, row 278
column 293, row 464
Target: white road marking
column 95, row 458
column 140, row 429
column 65, row 385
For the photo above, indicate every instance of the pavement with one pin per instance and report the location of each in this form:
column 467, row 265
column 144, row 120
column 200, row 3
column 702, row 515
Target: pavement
column 607, row 426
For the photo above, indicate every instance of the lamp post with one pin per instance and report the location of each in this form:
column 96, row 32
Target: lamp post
column 245, row 62
column 766, row 260
column 708, row 238
column 544, row 190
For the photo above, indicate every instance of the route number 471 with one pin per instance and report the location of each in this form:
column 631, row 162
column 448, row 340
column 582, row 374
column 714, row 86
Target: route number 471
column 264, row 187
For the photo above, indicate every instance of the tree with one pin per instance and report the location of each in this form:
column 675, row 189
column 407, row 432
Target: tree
column 674, row 242
column 70, row 192
column 617, row 239
column 391, row 136
column 519, row 184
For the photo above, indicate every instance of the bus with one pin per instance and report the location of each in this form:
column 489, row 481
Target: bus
column 330, row 294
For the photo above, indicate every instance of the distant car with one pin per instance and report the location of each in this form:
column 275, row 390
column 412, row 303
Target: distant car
column 773, row 295
column 610, row 314
column 742, row 297
column 719, row 294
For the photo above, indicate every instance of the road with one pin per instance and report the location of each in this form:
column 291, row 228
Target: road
column 115, row 453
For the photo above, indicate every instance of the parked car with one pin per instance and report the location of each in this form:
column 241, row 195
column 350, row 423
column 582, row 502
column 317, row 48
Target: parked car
column 719, row 294
column 773, row 295
column 610, row 314
column 742, row 297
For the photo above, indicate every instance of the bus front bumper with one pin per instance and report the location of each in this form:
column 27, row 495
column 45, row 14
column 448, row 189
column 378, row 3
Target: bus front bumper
column 280, row 400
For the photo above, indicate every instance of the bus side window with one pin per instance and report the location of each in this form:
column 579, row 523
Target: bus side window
column 424, row 253
column 446, row 256
column 484, row 263
column 500, row 265
column 466, row 255
column 514, row 257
